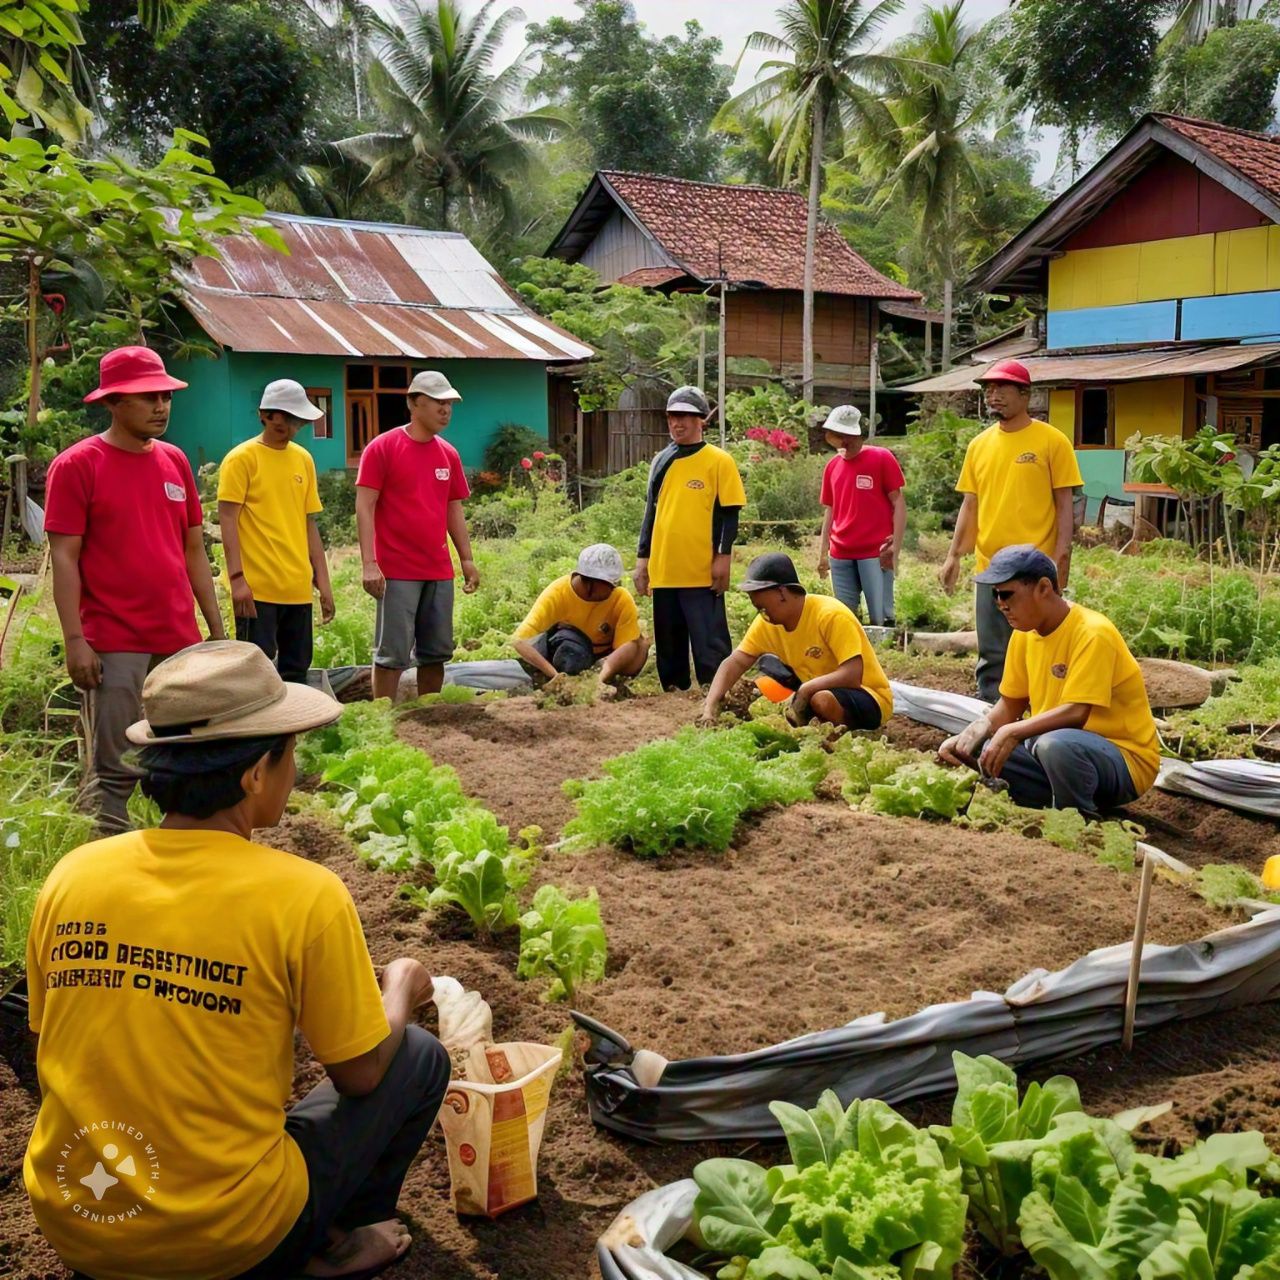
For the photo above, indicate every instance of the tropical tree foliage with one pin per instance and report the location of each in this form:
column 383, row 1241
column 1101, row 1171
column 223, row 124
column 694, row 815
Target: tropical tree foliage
column 819, row 78
column 1230, row 77
column 455, row 144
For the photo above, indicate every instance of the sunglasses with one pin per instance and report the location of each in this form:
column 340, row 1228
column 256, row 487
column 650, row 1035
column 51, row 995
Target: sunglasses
column 1002, row 596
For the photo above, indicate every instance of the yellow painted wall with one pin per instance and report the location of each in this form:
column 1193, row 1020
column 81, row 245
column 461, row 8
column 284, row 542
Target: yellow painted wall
column 1244, row 261
column 1149, row 408
column 1062, row 411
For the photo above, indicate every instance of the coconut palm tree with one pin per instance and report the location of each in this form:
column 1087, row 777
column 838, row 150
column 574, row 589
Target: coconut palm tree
column 350, row 21
column 937, row 103
column 452, row 137
column 821, row 78
column 1195, row 19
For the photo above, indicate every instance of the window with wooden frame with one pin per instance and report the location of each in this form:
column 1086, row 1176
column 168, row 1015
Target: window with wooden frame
column 322, row 398
column 375, row 403
column 1095, row 418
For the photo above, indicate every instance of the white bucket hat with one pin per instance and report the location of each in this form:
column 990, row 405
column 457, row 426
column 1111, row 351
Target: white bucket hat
column 433, row 384
column 600, row 561
column 845, row 420
column 225, row 689
column 288, row 396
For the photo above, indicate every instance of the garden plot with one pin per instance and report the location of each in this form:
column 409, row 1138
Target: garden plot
column 815, row 914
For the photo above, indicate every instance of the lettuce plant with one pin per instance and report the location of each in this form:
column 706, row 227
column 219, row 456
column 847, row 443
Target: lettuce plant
column 689, row 790
column 483, row 884
column 562, row 939
column 916, row 790
column 868, row 1196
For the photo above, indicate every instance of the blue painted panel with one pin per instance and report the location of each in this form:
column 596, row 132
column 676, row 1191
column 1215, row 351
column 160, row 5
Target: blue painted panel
column 1231, row 315
column 1099, row 326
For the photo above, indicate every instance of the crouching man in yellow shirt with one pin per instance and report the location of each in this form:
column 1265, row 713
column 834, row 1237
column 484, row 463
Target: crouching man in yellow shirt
column 1090, row 741
column 812, row 645
column 584, row 618
column 167, row 971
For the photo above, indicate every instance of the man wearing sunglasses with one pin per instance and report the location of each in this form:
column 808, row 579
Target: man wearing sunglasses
column 1088, row 741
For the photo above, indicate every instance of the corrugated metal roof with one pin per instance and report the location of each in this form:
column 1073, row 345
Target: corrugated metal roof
column 1129, row 366
column 366, row 289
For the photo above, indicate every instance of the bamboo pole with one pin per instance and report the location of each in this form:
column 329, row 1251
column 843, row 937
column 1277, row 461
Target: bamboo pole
column 1135, row 960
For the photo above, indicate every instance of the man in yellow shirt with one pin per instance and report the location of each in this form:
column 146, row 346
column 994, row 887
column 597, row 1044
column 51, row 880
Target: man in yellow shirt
column 1017, row 479
column 584, row 618
column 686, row 539
column 813, row 645
column 267, row 504
column 1089, row 742
column 167, row 970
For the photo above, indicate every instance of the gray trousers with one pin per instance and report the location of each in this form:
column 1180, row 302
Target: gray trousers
column 993, row 641
column 1069, row 769
column 106, row 713
column 852, row 579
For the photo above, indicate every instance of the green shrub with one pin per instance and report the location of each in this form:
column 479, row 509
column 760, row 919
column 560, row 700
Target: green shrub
column 337, row 522
column 783, row 498
column 931, row 457
column 508, row 444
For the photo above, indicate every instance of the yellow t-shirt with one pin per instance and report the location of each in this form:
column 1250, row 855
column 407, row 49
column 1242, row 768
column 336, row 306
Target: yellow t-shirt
column 1086, row 660
column 1014, row 474
column 167, row 971
column 277, row 492
column 681, row 551
column 827, row 635
column 610, row 623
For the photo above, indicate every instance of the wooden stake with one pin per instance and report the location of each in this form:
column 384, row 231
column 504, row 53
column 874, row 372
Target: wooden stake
column 1135, row 962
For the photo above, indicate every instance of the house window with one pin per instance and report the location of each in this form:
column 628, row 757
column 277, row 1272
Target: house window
column 1095, row 421
column 375, row 403
column 322, row 398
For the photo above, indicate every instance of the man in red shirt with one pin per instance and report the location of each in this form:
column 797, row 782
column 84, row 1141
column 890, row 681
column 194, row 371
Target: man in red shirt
column 127, row 543
column 409, row 493
column 865, row 520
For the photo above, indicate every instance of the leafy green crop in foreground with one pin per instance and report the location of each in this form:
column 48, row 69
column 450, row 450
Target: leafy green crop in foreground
column 690, row 790
column 562, row 939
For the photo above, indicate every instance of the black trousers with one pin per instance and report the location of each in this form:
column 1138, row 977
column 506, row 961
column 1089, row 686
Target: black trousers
column 567, row 649
column 283, row 633
column 687, row 618
column 358, row 1150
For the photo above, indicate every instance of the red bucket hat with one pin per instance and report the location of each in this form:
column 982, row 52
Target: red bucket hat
column 132, row 369
column 1006, row 371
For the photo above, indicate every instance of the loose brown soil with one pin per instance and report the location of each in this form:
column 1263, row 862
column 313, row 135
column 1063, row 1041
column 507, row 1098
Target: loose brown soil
column 817, row 914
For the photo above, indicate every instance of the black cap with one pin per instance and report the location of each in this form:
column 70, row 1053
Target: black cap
column 773, row 569
column 1018, row 562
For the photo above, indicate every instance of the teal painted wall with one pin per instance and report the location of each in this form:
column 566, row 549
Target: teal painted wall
column 220, row 408
column 1103, row 473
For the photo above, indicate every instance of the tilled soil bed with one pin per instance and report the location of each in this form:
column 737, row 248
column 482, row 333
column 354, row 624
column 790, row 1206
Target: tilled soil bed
column 816, row 915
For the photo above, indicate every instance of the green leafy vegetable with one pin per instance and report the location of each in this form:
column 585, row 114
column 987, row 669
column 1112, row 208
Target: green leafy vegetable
column 1222, row 883
column 690, row 790
column 483, row 884
column 868, row 1195
column 914, row 790
column 562, row 939
column 868, row 761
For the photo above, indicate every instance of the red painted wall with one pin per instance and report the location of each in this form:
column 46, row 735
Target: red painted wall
column 1169, row 198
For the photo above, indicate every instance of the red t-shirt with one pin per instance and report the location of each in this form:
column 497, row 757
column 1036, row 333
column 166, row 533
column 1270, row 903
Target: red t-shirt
column 857, row 493
column 416, row 481
column 132, row 511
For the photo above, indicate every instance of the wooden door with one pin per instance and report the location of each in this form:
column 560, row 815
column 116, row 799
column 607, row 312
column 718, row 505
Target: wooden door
column 361, row 424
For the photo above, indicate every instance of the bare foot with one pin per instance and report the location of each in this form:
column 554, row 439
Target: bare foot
column 363, row 1249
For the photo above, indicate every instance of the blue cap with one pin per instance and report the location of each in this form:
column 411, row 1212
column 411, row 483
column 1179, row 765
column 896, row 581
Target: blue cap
column 1018, row 562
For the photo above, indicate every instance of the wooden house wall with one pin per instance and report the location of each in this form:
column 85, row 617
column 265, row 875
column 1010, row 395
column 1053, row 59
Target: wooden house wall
column 770, row 325
column 620, row 246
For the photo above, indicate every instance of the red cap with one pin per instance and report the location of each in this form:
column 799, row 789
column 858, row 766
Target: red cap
column 1006, row 371
column 131, row 369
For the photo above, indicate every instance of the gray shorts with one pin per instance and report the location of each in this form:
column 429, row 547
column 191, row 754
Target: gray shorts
column 414, row 624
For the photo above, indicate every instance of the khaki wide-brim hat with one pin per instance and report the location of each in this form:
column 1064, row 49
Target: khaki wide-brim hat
column 225, row 689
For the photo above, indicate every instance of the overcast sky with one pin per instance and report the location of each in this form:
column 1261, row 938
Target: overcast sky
column 733, row 20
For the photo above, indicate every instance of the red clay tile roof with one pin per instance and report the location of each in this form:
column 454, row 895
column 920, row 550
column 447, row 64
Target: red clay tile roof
column 651, row 277
column 746, row 233
column 1255, row 156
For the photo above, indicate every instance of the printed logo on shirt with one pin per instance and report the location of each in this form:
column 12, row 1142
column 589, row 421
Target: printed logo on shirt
column 297, row 479
column 1029, row 456
column 605, row 628
column 107, row 1172
column 813, row 651
column 442, row 473
column 1059, row 669
column 175, row 491
column 863, row 482
column 695, row 484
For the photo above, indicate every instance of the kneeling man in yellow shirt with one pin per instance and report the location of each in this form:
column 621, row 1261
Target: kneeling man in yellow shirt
column 584, row 618
column 812, row 645
column 1089, row 742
